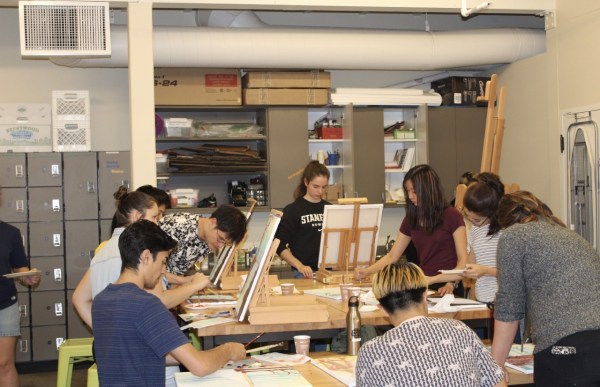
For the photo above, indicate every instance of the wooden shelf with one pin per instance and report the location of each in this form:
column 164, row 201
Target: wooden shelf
column 210, row 139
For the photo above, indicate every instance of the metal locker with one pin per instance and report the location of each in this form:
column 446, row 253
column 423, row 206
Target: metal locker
column 80, row 185
column 46, row 239
column 12, row 170
column 53, row 273
column 46, row 341
column 45, row 204
column 23, row 351
column 23, row 229
column 48, row 308
column 13, row 205
column 114, row 170
column 24, row 309
column 81, row 238
column 75, row 325
column 105, row 231
column 44, row 169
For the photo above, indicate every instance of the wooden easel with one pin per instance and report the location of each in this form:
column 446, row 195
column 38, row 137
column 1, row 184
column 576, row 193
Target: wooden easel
column 265, row 309
column 342, row 271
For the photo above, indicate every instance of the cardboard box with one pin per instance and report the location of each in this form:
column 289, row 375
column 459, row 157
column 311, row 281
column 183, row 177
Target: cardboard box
column 25, row 127
column 285, row 96
column 195, row 86
column 287, row 79
column 460, row 90
column 330, row 133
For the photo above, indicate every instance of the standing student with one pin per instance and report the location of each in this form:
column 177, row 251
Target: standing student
column 12, row 260
column 480, row 208
column 421, row 350
column 553, row 275
column 133, row 331
column 197, row 236
column 436, row 229
column 300, row 228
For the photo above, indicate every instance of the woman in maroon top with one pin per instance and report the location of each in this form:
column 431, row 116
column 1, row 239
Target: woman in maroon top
column 436, row 229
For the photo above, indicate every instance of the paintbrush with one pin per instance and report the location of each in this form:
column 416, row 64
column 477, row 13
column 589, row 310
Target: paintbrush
column 254, row 339
column 264, row 347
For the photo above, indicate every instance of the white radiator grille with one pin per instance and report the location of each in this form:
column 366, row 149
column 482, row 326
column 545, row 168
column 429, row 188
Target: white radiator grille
column 62, row 28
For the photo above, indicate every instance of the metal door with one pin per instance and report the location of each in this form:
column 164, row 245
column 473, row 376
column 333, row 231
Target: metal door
column 75, row 325
column 80, row 185
column 23, row 229
column 583, row 180
column 46, row 341
column 12, row 170
column 44, row 169
column 45, row 204
column 48, row 308
column 53, row 273
column 24, row 308
column 105, row 231
column 113, row 171
column 23, row 351
column 46, row 239
column 13, row 205
column 81, row 238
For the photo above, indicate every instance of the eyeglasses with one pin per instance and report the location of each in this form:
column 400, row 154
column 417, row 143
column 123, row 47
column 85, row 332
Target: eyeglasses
column 222, row 240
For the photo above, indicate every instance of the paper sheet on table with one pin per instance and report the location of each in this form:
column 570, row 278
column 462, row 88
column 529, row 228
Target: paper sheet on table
column 456, row 302
column 444, row 305
column 208, row 322
column 340, row 367
column 282, row 359
column 220, row 378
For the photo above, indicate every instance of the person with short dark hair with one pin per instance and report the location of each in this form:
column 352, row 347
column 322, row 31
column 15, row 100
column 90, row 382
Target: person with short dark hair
column 133, row 331
column 163, row 200
column 421, row 350
column 197, row 236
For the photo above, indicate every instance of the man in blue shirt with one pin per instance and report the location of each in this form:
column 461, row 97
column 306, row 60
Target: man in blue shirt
column 134, row 334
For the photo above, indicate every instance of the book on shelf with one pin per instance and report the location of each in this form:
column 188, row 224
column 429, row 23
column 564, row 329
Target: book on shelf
column 403, row 159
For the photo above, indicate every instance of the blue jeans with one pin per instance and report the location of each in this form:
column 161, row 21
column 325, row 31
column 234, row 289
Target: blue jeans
column 10, row 320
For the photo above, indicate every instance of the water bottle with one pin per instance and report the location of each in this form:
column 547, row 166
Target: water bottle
column 353, row 327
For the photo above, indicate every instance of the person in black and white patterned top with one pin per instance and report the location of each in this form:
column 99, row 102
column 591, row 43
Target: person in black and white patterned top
column 420, row 350
column 198, row 236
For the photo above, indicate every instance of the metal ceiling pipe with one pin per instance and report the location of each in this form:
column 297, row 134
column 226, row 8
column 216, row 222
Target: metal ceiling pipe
column 325, row 48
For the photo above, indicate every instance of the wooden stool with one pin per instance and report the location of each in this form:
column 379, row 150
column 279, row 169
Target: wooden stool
column 72, row 351
column 92, row 379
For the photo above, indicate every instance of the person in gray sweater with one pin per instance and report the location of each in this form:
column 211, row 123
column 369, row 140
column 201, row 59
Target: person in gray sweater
column 553, row 275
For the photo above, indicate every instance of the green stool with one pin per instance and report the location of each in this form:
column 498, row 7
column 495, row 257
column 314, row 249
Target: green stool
column 92, row 379
column 72, row 351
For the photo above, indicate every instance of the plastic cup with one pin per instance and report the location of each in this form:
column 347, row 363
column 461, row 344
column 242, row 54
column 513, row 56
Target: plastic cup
column 345, row 292
column 302, row 344
column 287, row 289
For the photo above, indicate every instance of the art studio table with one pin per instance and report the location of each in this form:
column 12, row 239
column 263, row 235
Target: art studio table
column 243, row 332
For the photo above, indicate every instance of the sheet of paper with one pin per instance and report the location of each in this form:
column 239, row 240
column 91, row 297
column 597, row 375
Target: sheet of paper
column 340, row 367
column 220, row 378
column 208, row 322
column 278, row 378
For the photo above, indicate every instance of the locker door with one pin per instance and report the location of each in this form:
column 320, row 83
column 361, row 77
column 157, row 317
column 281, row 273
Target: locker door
column 46, row 341
column 46, row 239
column 23, row 351
column 44, row 169
column 81, row 186
column 113, row 171
column 81, row 238
column 23, row 229
column 24, row 308
column 45, row 204
column 13, row 205
column 48, row 308
column 12, row 170
column 53, row 273
column 105, row 232
column 75, row 326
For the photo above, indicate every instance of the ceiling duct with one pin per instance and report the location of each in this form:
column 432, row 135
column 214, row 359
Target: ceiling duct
column 326, row 48
column 64, row 28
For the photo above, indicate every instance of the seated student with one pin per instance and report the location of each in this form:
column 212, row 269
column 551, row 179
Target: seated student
column 133, row 331
column 197, row 236
column 421, row 350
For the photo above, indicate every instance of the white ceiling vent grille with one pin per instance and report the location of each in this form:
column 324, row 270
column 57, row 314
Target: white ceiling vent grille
column 64, row 28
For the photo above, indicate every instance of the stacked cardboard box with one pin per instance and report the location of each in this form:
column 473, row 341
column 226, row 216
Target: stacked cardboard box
column 286, row 87
column 197, row 86
column 460, row 90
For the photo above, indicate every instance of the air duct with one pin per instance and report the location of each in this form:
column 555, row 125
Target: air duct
column 326, row 48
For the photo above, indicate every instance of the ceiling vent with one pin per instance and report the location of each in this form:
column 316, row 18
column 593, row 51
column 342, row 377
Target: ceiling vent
column 64, row 28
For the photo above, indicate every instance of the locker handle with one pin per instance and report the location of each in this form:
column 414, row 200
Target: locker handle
column 56, row 240
column 20, row 206
column 55, row 170
column 91, row 187
column 57, row 274
column 59, row 342
column 58, row 309
column 24, row 346
column 23, row 311
column 19, row 170
column 55, row 205
column 126, row 184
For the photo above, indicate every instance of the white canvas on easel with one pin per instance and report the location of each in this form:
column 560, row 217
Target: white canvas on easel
column 349, row 236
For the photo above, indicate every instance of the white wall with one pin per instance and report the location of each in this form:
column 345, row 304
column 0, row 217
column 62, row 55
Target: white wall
column 33, row 80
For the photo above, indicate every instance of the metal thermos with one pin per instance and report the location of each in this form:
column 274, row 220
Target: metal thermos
column 353, row 327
